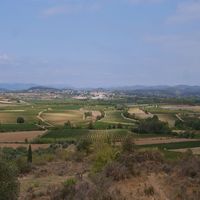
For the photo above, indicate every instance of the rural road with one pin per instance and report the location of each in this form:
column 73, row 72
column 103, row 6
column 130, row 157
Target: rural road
column 133, row 120
column 177, row 115
column 43, row 120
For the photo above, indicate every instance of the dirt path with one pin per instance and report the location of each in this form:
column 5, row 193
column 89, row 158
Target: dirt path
column 154, row 182
column 133, row 120
column 43, row 120
column 178, row 116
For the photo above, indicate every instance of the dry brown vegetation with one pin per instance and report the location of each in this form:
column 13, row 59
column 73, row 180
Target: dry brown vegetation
column 132, row 175
column 139, row 113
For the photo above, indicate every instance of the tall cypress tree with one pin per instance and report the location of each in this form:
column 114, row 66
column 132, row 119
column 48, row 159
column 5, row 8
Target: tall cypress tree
column 29, row 156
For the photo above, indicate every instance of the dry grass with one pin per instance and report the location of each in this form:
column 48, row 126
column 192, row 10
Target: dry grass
column 167, row 118
column 139, row 113
column 8, row 117
column 73, row 116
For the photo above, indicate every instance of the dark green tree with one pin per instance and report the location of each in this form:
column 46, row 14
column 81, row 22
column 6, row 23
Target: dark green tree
column 29, row 157
column 20, row 120
column 91, row 126
column 68, row 124
column 84, row 145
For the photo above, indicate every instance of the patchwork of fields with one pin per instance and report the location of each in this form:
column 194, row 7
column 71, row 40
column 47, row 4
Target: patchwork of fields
column 104, row 130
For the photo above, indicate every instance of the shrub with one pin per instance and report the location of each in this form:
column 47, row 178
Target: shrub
column 149, row 191
column 69, row 182
column 91, row 126
column 22, row 165
column 20, row 120
column 68, row 124
column 104, row 155
column 68, row 190
column 153, row 125
column 128, row 144
column 84, row 145
column 116, row 171
column 29, row 155
column 9, row 184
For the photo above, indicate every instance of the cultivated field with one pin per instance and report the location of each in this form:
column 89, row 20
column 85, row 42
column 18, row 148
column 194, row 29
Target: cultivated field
column 162, row 140
column 116, row 117
column 19, row 136
column 139, row 113
column 181, row 107
column 169, row 118
column 74, row 116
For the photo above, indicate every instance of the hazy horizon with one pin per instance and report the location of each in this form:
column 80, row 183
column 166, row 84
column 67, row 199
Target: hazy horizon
column 100, row 43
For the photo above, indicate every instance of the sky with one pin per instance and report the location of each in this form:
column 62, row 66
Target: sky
column 100, row 43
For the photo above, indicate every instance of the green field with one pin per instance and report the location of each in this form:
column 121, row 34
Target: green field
column 116, row 117
column 18, row 127
column 175, row 145
column 77, row 134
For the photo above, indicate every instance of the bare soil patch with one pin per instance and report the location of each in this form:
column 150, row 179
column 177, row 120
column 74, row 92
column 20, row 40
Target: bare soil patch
column 167, row 118
column 139, row 113
column 61, row 118
column 134, row 188
column 16, row 145
column 52, row 174
column 19, row 136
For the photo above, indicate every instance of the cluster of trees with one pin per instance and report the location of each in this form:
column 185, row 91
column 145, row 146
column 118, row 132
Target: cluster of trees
column 68, row 125
column 20, row 120
column 152, row 125
column 88, row 114
column 188, row 123
column 115, row 126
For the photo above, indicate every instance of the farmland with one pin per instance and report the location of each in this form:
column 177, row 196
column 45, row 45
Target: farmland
column 115, row 117
column 76, row 119
column 73, row 138
column 139, row 113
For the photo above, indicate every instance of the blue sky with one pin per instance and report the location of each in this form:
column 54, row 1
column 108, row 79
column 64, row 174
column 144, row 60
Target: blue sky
column 94, row 43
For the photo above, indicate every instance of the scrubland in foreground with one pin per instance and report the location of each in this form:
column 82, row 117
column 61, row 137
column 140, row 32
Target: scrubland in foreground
column 101, row 171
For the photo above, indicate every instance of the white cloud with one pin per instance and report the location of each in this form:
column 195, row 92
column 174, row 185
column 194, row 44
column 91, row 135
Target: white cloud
column 70, row 9
column 185, row 12
column 5, row 58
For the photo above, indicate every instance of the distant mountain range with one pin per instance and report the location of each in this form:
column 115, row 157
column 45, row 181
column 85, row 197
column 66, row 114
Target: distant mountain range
column 178, row 90
column 160, row 90
column 16, row 86
column 27, row 86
